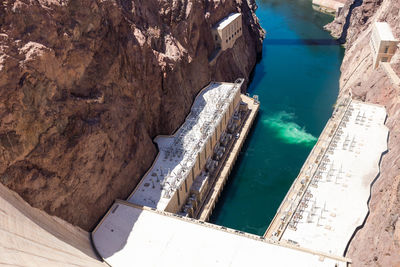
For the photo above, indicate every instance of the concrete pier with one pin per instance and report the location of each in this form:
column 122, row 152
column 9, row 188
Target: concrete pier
column 220, row 181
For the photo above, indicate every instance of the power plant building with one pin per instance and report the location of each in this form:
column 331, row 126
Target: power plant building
column 227, row 31
column 185, row 160
column 383, row 43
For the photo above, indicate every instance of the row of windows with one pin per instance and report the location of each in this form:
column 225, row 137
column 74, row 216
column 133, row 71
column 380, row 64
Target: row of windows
column 234, row 34
column 386, row 49
column 375, row 41
column 231, row 37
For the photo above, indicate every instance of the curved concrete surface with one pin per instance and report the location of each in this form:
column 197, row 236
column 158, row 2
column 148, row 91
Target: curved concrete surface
column 30, row 237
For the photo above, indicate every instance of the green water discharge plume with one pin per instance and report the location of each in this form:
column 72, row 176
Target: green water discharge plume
column 288, row 131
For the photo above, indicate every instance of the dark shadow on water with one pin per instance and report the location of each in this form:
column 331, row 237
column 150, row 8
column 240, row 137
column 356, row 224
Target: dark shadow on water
column 256, row 76
column 307, row 42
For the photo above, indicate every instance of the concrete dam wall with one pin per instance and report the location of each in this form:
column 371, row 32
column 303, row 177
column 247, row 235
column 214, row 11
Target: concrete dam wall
column 31, row 237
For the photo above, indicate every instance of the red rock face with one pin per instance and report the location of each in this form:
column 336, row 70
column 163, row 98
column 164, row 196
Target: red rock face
column 86, row 85
column 377, row 243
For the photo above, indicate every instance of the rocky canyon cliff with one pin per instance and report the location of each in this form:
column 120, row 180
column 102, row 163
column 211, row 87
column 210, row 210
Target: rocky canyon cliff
column 377, row 242
column 85, row 85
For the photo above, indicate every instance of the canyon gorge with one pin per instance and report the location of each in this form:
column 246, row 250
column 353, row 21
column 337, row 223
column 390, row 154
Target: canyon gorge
column 86, row 85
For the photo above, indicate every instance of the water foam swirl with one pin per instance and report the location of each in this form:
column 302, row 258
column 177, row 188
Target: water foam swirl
column 288, row 131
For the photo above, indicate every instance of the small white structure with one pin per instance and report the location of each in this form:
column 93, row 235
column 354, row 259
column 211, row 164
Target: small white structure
column 227, row 31
column 383, row 43
column 329, row 6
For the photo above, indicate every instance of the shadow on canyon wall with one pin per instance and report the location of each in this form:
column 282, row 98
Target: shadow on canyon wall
column 343, row 36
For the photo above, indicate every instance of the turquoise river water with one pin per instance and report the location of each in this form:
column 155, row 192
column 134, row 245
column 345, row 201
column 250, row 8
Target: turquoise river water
column 297, row 82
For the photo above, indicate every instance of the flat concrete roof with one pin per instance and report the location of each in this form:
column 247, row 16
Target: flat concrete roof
column 135, row 236
column 336, row 200
column 385, row 31
column 224, row 22
column 177, row 153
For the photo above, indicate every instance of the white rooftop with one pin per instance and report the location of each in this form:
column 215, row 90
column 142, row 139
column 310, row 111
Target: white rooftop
column 336, row 202
column 177, row 153
column 385, row 31
column 224, row 22
column 131, row 236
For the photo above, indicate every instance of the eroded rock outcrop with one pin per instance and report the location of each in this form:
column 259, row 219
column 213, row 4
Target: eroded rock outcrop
column 86, row 85
column 377, row 243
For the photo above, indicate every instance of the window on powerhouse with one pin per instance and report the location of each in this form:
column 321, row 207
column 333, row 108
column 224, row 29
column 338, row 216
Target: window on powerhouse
column 386, row 49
